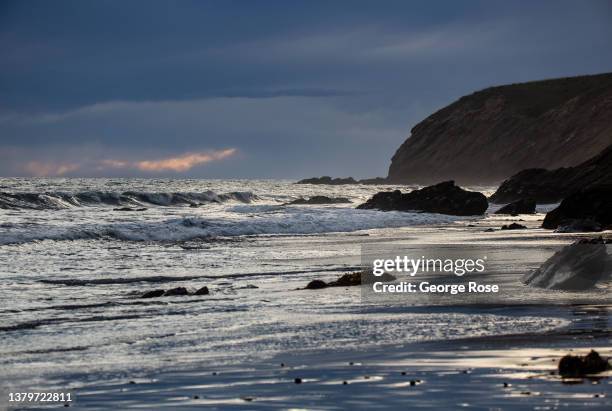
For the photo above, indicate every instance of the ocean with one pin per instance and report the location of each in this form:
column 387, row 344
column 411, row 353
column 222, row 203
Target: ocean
column 74, row 263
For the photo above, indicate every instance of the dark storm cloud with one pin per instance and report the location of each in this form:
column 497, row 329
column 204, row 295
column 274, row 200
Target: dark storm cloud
column 295, row 88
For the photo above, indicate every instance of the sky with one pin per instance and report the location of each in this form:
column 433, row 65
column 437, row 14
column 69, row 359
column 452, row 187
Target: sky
column 262, row 89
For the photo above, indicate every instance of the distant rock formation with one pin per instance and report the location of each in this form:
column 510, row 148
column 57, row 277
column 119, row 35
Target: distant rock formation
column 593, row 204
column 492, row 134
column 375, row 180
column 551, row 186
column 442, row 198
column 316, row 200
column 327, row 180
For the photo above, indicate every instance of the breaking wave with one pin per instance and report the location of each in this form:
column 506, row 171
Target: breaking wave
column 291, row 222
column 62, row 200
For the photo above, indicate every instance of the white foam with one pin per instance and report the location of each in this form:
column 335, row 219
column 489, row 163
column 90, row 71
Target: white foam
column 289, row 221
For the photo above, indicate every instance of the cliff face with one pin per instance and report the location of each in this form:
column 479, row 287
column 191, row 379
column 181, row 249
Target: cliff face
column 550, row 186
column 492, row 134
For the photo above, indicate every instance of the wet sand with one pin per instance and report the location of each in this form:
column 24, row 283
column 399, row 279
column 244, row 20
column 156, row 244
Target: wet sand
column 511, row 372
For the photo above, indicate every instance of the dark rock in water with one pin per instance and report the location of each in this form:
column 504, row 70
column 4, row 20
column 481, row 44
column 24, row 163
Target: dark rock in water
column 522, row 206
column 328, row 180
column 194, row 205
column 442, row 198
column 176, row 292
column 357, row 278
column 340, row 181
column 297, row 380
column 349, row 280
column 316, row 285
column 578, row 266
column 551, row 186
column 129, row 209
column 153, row 294
column 320, row 200
column 578, row 366
column 594, row 203
column 513, row 226
column 580, row 226
column 202, row 291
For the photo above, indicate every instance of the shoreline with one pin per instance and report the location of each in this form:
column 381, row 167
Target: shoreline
column 478, row 372
column 226, row 350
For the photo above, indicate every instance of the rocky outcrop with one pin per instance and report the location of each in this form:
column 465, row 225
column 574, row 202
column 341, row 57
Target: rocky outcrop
column 513, row 226
column 316, row 285
column 593, row 204
column 202, row 291
column 522, row 206
column 442, row 198
column 580, row 366
column 317, row 200
column 349, row 280
column 551, row 186
column 492, row 134
column 578, row 266
column 327, row 180
column 174, row 292
column 153, row 294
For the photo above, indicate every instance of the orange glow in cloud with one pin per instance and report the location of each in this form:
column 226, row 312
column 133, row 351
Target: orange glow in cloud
column 113, row 164
column 177, row 164
column 43, row 169
column 180, row 163
column 184, row 162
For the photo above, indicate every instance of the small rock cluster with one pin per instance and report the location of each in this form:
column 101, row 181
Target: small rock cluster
column 348, row 280
column 174, row 292
column 580, row 366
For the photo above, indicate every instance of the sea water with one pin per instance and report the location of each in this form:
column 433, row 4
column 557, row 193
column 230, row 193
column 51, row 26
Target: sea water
column 74, row 263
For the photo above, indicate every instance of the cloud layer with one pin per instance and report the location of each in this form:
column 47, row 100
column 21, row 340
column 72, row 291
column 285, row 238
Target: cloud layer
column 177, row 164
column 296, row 89
column 184, row 162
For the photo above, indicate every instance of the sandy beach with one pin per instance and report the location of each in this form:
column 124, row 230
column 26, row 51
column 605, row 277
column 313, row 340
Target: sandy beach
column 510, row 373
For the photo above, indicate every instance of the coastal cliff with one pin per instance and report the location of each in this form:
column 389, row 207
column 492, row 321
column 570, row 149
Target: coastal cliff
column 490, row 135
